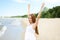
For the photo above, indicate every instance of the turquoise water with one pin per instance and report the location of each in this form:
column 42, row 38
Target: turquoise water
column 14, row 29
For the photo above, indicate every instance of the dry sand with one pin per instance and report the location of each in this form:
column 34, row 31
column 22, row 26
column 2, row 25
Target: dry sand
column 49, row 29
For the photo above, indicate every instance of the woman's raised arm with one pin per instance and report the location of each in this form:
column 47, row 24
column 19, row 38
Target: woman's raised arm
column 39, row 14
column 28, row 9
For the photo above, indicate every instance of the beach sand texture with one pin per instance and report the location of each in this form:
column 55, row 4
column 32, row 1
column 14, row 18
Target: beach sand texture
column 49, row 29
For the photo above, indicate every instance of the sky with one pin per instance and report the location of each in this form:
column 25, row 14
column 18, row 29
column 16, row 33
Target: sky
column 19, row 7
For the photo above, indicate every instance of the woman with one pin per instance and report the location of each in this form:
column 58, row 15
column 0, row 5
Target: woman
column 32, row 29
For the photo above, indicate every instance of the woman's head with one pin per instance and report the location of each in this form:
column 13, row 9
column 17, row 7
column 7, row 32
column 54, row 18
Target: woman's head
column 32, row 18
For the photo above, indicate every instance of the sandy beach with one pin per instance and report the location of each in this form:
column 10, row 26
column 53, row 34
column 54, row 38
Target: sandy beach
column 49, row 29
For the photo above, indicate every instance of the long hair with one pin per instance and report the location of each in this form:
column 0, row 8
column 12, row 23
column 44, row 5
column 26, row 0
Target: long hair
column 34, row 20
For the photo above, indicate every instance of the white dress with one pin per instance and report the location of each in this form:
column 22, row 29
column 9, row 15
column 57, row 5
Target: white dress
column 30, row 33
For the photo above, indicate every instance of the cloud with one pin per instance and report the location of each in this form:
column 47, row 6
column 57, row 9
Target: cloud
column 36, row 0
column 21, row 1
column 52, row 3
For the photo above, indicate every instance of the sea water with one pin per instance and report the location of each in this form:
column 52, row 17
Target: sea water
column 14, row 29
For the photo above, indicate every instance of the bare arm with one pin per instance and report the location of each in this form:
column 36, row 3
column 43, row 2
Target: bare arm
column 38, row 17
column 28, row 9
column 39, row 14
